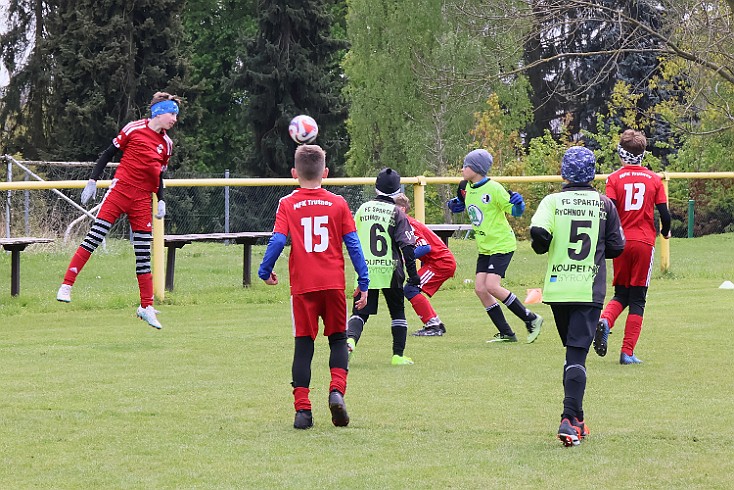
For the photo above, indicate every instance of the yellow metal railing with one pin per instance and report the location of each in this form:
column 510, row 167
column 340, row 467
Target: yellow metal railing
column 419, row 184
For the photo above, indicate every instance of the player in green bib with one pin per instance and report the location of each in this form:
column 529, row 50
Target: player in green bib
column 578, row 228
column 388, row 245
column 487, row 203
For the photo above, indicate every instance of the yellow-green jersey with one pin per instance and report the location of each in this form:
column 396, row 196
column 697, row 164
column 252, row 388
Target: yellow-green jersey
column 579, row 228
column 384, row 231
column 487, row 204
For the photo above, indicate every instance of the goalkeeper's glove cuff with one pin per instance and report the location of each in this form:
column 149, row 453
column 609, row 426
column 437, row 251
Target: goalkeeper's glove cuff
column 455, row 205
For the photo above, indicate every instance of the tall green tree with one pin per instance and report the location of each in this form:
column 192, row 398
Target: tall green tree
column 418, row 71
column 109, row 58
column 93, row 66
column 292, row 67
column 581, row 85
column 24, row 54
column 214, row 31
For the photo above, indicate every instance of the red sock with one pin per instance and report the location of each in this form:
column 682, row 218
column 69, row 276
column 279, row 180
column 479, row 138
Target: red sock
column 76, row 265
column 612, row 311
column 423, row 308
column 338, row 380
column 145, row 284
column 300, row 398
column 631, row 333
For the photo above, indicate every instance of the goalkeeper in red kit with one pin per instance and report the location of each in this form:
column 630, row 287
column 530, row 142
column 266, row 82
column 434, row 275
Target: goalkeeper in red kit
column 636, row 193
column 437, row 266
column 317, row 222
column 146, row 150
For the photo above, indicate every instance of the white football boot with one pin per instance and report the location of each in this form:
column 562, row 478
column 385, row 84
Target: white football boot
column 149, row 315
column 64, row 294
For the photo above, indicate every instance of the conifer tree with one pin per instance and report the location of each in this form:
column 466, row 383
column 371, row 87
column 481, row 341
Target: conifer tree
column 292, row 67
column 24, row 54
column 108, row 59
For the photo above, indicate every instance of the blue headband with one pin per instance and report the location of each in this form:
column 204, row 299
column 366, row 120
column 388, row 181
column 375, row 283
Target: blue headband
column 163, row 107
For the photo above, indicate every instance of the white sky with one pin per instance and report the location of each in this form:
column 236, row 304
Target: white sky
column 3, row 24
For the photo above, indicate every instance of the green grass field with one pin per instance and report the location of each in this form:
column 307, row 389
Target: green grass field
column 91, row 397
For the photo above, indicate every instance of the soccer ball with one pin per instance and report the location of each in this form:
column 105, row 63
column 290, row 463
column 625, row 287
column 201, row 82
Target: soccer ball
column 303, row 129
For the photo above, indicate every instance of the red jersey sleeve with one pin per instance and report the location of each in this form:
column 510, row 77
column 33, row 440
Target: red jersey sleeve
column 348, row 225
column 660, row 197
column 610, row 189
column 281, row 218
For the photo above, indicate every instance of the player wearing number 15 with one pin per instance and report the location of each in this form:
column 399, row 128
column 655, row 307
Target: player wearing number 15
column 578, row 228
column 636, row 192
column 317, row 221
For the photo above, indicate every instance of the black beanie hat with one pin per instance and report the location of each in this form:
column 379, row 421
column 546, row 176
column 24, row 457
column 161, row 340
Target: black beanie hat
column 388, row 182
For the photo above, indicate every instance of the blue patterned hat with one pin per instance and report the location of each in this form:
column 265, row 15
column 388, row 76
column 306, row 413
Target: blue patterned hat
column 578, row 165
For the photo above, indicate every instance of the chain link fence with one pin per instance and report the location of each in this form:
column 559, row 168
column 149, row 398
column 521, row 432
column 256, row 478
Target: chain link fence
column 58, row 213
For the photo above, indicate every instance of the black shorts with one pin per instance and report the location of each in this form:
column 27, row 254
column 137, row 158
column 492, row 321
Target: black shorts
column 576, row 324
column 393, row 297
column 494, row 264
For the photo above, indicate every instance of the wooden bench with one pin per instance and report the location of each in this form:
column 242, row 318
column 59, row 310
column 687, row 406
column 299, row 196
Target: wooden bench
column 16, row 246
column 246, row 238
column 446, row 231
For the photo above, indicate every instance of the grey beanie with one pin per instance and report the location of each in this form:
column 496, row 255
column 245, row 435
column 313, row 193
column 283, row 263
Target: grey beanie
column 388, row 182
column 479, row 160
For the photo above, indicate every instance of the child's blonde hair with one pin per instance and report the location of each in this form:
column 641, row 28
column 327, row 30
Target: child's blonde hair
column 310, row 161
column 402, row 201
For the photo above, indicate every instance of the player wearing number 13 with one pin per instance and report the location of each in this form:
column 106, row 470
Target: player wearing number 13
column 317, row 221
column 636, row 192
column 579, row 228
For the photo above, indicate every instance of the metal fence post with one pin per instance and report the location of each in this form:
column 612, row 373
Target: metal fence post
column 8, row 202
column 27, row 208
column 665, row 244
column 226, row 206
column 690, row 218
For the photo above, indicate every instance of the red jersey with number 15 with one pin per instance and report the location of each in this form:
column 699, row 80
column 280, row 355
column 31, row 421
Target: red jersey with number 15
column 145, row 155
column 316, row 221
column 636, row 190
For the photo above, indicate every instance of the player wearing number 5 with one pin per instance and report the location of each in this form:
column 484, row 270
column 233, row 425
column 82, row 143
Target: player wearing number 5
column 636, row 192
column 317, row 221
column 578, row 228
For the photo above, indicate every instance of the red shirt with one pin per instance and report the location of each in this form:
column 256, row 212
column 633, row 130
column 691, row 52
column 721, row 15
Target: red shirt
column 316, row 221
column 145, row 154
column 636, row 190
column 440, row 257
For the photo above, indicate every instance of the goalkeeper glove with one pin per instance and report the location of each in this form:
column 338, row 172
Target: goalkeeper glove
column 89, row 192
column 161, row 210
column 455, row 205
column 518, row 204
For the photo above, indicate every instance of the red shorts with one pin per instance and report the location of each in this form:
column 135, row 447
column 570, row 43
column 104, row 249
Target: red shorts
column 432, row 278
column 123, row 198
column 634, row 266
column 329, row 304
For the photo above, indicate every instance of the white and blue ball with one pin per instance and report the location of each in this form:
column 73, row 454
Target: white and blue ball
column 303, row 129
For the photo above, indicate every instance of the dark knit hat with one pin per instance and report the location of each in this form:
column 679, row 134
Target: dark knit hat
column 578, row 165
column 388, row 182
column 479, row 160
